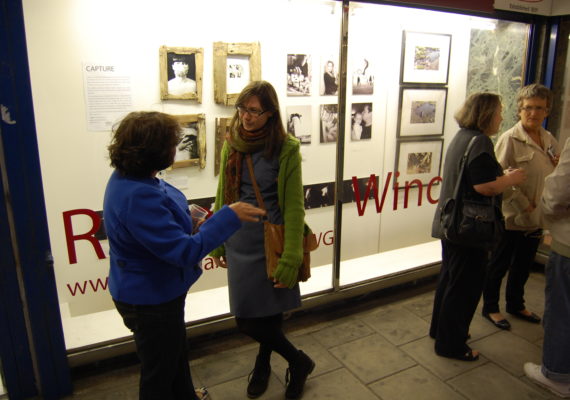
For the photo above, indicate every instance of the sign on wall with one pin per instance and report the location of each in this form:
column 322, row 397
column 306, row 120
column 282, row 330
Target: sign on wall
column 540, row 7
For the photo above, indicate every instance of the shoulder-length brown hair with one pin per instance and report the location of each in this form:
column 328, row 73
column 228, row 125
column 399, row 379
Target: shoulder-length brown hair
column 478, row 110
column 144, row 142
column 269, row 102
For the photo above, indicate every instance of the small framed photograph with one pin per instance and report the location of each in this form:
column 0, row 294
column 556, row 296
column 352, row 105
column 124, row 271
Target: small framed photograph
column 362, row 76
column 181, row 73
column 361, row 121
column 422, row 111
column 329, row 123
column 222, row 129
column 299, row 75
column 300, row 122
column 418, row 160
column 235, row 65
column 425, row 57
column 191, row 151
column 329, row 80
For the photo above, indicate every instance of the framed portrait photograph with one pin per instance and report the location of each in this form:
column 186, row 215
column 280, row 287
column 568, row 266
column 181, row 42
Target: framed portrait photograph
column 329, row 76
column 422, row 111
column 361, row 121
column 425, row 57
column 418, row 159
column 181, row 73
column 299, row 75
column 235, row 65
column 329, row 123
column 191, row 151
column 299, row 122
column 362, row 76
column 222, row 129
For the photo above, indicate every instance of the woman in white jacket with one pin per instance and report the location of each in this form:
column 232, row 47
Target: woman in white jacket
column 529, row 146
column 554, row 373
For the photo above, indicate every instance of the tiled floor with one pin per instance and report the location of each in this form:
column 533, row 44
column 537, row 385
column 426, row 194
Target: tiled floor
column 374, row 347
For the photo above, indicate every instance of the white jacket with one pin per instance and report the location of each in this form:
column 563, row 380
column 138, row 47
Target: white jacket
column 556, row 203
column 515, row 149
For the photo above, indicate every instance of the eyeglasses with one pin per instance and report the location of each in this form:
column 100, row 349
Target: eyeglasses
column 251, row 111
column 529, row 109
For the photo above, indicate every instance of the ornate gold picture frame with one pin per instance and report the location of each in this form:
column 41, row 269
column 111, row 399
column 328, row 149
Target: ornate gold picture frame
column 181, row 73
column 235, row 65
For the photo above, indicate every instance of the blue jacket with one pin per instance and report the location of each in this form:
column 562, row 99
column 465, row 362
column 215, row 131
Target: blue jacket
column 154, row 256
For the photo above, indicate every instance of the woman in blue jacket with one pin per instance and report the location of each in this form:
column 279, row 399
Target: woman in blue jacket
column 155, row 258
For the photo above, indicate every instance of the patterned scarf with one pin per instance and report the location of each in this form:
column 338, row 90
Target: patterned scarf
column 241, row 142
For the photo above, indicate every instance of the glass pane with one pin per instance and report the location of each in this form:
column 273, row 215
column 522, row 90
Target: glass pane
column 403, row 94
column 77, row 48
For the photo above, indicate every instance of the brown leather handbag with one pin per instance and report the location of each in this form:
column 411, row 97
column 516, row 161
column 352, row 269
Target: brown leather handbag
column 274, row 235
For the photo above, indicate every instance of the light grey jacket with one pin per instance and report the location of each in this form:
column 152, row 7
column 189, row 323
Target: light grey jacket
column 515, row 149
column 556, row 203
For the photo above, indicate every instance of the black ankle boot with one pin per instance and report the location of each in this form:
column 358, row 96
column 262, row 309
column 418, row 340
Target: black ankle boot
column 258, row 379
column 297, row 374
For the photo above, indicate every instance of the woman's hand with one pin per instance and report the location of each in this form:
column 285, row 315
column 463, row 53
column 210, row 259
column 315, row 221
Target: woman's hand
column 247, row 212
column 516, row 175
column 220, row 261
column 279, row 285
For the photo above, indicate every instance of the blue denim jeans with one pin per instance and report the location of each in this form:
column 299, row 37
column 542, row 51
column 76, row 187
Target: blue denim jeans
column 159, row 332
column 556, row 346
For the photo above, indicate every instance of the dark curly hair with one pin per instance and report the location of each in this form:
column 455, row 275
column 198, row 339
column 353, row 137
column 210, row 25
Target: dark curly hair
column 144, row 142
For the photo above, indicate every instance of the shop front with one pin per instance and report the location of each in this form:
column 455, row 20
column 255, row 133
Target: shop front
column 369, row 89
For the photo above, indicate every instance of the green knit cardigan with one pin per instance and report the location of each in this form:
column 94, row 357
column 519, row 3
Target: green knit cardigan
column 291, row 204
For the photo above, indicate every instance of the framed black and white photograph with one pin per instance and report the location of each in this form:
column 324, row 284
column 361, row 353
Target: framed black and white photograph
column 181, row 73
column 300, row 122
column 298, row 75
column 329, row 123
column 425, row 57
column 361, row 121
column 329, row 76
column 235, row 65
column 422, row 111
column 362, row 76
column 191, row 151
column 418, row 160
column 319, row 195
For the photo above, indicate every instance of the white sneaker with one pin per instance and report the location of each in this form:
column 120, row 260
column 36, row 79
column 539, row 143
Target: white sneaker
column 534, row 372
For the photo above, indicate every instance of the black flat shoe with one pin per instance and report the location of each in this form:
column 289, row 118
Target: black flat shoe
column 258, row 379
column 533, row 318
column 467, row 356
column 297, row 374
column 502, row 324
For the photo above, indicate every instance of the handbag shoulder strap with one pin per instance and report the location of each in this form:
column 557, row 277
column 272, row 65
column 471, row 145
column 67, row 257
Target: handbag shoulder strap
column 254, row 182
column 462, row 167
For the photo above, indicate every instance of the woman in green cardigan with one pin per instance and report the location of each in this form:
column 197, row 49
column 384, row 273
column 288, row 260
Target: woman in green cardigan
column 257, row 302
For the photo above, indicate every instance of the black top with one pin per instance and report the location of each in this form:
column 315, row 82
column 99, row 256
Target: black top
column 482, row 167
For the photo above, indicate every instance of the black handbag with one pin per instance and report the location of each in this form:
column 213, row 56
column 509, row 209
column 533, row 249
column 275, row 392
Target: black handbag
column 470, row 222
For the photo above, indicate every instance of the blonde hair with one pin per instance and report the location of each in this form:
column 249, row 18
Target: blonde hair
column 478, row 111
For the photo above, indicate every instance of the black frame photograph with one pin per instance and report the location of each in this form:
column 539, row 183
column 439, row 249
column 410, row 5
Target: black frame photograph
column 418, row 159
column 425, row 57
column 422, row 111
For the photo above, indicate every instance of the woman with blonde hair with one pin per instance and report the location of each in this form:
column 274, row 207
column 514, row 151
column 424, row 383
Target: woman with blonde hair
column 463, row 267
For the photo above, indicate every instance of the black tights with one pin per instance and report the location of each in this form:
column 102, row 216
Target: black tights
column 268, row 331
